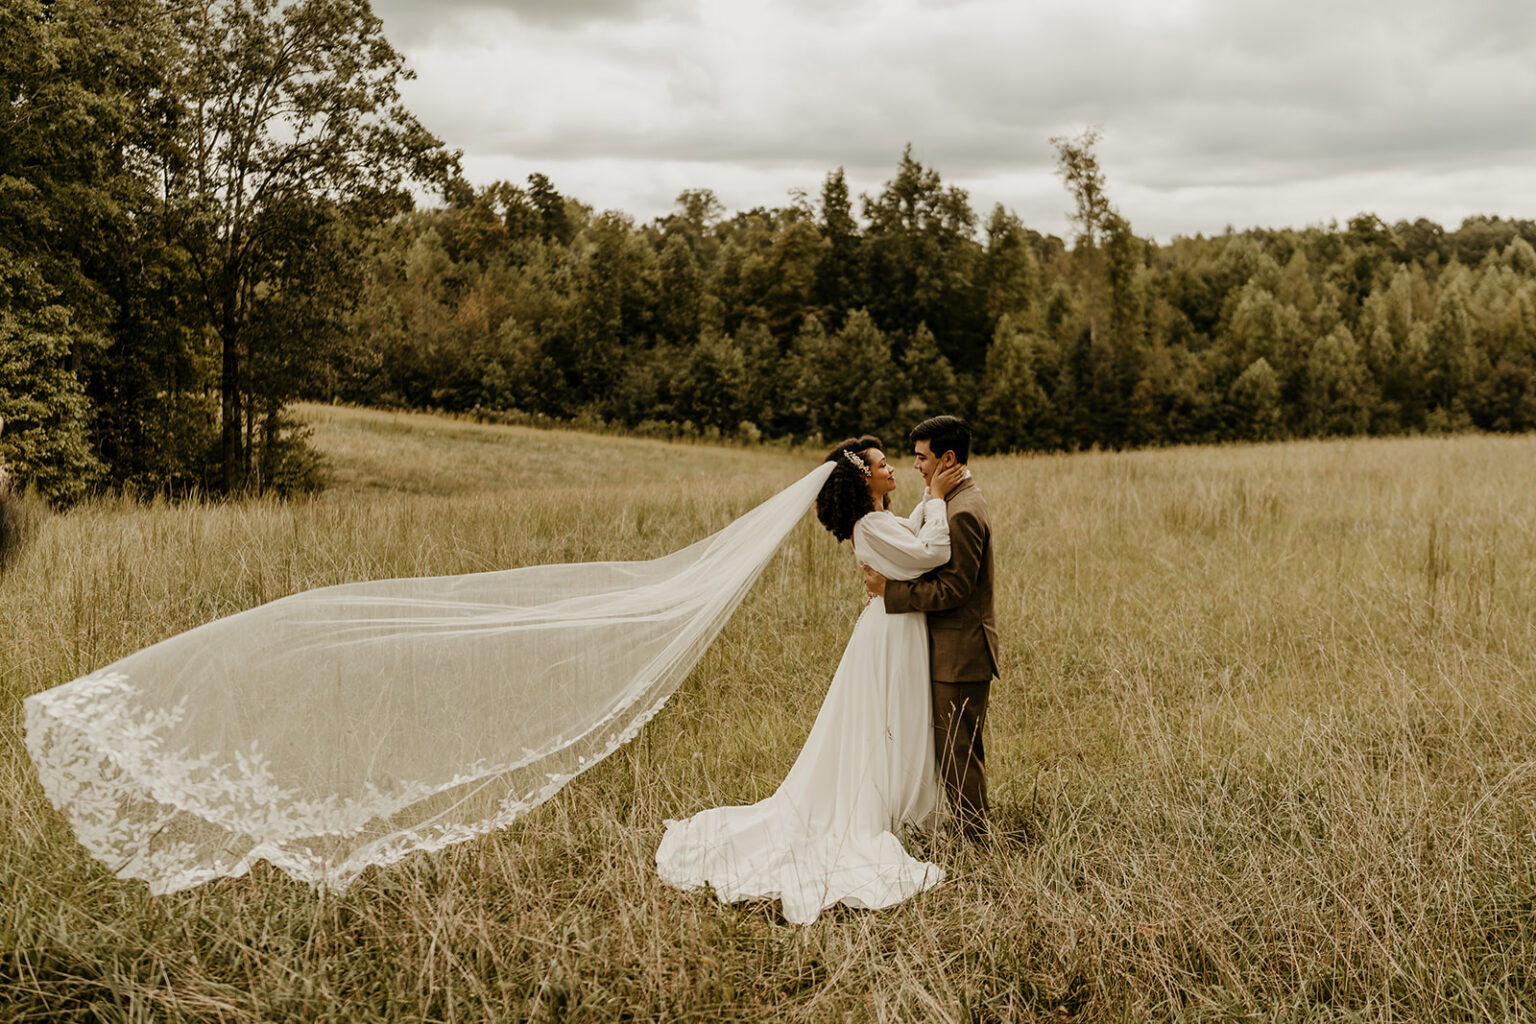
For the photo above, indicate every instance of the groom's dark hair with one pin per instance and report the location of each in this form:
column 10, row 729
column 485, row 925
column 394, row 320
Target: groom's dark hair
column 944, row 434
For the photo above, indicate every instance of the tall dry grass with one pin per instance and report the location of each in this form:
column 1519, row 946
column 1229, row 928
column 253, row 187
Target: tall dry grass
column 1265, row 743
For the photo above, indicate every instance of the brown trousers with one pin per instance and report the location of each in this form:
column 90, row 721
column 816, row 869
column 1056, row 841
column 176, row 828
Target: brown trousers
column 959, row 714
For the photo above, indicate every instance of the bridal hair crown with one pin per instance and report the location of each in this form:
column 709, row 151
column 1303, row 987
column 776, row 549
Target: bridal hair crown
column 856, row 462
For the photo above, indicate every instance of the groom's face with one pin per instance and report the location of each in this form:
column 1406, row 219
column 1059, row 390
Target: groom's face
column 928, row 463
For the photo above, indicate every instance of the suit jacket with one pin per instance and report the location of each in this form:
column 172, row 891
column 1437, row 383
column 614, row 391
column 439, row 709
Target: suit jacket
column 958, row 595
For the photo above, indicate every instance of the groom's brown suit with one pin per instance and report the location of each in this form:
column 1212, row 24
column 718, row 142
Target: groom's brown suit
column 962, row 645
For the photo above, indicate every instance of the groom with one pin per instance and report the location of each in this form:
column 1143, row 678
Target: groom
column 962, row 636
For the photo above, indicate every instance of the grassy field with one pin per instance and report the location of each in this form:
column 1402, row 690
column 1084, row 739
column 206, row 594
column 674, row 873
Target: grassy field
column 1266, row 737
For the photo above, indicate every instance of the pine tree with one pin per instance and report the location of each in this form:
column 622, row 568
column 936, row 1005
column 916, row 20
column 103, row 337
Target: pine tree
column 1012, row 409
column 1262, row 328
column 1448, row 354
column 1337, row 397
column 840, row 272
column 1119, row 362
column 841, row 384
column 679, row 297
column 763, row 370
column 1520, row 257
column 929, row 387
column 812, row 374
column 712, row 384
column 790, row 268
column 1253, row 402
column 922, row 261
column 864, row 400
column 554, row 223
column 617, row 283
column 1009, row 274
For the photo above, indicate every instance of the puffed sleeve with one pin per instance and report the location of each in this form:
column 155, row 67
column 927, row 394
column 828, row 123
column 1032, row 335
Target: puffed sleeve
column 915, row 520
column 889, row 546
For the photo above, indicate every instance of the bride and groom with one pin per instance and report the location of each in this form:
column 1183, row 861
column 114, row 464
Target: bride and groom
column 341, row 728
column 904, row 713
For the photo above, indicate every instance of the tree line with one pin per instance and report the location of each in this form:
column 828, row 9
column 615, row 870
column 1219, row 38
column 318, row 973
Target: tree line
column 826, row 317
column 186, row 188
column 206, row 214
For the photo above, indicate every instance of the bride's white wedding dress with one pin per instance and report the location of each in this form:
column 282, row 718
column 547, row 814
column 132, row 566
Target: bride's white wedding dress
column 828, row 834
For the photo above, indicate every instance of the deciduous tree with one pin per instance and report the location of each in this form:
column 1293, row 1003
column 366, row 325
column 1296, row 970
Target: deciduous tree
column 290, row 128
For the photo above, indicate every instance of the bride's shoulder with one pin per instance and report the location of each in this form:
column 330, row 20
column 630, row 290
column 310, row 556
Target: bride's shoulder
column 874, row 520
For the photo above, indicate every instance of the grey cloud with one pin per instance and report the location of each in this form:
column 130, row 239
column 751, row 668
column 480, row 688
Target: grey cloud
column 1208, row 126
column 1234, row 96
column 407, row 22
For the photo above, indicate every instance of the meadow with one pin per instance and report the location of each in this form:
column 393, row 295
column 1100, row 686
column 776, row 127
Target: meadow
column 1264, row 748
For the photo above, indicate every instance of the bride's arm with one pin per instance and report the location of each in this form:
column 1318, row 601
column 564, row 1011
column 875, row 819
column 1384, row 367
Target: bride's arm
column 915, row 519
column 888, row 545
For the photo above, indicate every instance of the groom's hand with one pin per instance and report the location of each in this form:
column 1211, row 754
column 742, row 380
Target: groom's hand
column 874, row 583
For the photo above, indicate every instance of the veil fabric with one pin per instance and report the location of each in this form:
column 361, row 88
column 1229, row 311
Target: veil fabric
column 348, row 726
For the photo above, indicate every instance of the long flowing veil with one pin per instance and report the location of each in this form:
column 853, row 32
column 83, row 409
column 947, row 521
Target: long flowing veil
column 350, row 725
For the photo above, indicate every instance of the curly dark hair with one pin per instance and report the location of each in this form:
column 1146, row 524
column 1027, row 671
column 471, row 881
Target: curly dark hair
column 845, row 499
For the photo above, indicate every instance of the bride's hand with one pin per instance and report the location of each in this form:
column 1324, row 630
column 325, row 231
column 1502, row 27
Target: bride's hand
column 874, row 585
column 946, row 480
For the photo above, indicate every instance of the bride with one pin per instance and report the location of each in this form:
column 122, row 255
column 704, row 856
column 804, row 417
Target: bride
column 343, row 728
column 828, row 834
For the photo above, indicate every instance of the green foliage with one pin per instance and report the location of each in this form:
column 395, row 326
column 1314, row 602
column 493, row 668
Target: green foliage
column 840, row 384
column 1263, row 328
column 1128, row 342
column 1254, row 401
column 71, row 88
column 1180, row 325
column 679, row 296
column 1337, row 397
column 921, row 260
column 1013, row 408
column 234, row 233
column 712, row 387
column 1009, row 270
column 44, row 443
column 1079, row 170
column 928, row 383
column 185, row 192
column 1446, row 365
column 290, row 137
column 205, row 214
column 552, row 221
column 840, row 273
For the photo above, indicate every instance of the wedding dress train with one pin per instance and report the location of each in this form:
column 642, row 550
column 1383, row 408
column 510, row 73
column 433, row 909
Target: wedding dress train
column 828, row 834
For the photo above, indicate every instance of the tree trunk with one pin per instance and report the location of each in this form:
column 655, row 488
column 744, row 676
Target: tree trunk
column 229, row 399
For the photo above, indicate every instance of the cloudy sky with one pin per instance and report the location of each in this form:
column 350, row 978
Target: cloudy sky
column 1214, row 112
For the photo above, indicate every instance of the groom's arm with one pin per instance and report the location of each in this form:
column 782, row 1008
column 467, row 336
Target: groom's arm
column 950, row 585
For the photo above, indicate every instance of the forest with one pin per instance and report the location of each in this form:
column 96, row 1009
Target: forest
column 207, row 214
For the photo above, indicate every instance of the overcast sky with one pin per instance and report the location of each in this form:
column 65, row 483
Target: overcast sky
column 1214, row 112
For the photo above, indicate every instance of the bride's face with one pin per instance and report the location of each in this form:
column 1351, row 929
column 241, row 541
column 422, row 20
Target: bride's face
column 882, row 475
